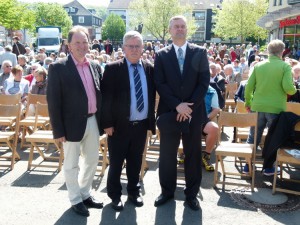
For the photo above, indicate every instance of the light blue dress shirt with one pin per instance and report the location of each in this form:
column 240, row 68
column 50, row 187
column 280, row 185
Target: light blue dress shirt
column 134, row 113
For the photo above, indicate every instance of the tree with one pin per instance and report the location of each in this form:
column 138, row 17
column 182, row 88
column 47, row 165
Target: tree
column 154, row 15
column 237, row 18
column 113, row 28
column 52, row 14
column 15, row 15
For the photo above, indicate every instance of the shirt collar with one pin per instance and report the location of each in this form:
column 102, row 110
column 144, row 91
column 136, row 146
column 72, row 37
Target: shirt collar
column 85, row 62
column 129, row 63
column 183, row 47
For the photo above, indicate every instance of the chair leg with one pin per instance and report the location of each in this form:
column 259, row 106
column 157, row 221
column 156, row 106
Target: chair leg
column 216, row 171
column 104, row 159
column 30, row 157
column 275, row 177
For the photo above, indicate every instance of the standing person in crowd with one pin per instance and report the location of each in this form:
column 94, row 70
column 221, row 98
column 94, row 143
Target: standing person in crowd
column 18, row 48
column 181, row 75
column 108, row 47
column 8, row 55
column 127, row 114
column 74, row 101
column 63, row 47
column 96, row 45
column 266, row 92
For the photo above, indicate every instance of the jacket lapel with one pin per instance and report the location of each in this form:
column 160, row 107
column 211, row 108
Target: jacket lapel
column 94, row 70
column 73, row 71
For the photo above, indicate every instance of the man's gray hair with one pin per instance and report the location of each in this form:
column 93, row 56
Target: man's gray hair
column 132, row 34
column 276, row 47
column 179, row 17
column 228, row 66
column 6, row 62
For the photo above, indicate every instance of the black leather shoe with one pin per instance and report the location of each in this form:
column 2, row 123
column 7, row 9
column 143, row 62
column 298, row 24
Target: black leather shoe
column 193, row 204
column 162, row 199
column 117, row 204
column 91, row 202
column 136, row 200
column 81, row 209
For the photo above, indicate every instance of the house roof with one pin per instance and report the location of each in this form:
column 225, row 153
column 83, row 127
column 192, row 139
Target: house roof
column 82, row 11
column 198, row 4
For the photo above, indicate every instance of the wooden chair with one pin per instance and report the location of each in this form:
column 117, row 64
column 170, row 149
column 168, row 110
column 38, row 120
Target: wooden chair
column 9, row 121
column 103, row 148
column 239, row 150
column 285, row 158
column 293, row 107
column 29, row 120
column 10, row 99
column 45, row 137
column 229, row 96
column 10, row 138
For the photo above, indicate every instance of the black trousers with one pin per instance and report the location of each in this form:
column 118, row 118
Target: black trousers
column 169, row 143
column 128, row 144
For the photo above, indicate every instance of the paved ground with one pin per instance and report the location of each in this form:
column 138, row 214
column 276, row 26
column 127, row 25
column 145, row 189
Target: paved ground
column 39, row 197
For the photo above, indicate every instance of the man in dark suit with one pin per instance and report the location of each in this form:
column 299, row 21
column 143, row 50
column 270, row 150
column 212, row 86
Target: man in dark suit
column 108, row 47
column 182, row 86
column 74, row 101
column 127, row 113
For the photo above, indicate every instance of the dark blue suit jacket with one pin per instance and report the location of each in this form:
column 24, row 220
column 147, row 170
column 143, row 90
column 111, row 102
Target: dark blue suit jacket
column 175, row 88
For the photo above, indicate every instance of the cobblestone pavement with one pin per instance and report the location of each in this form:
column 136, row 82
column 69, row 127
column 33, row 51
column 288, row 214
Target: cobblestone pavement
column 39, row 197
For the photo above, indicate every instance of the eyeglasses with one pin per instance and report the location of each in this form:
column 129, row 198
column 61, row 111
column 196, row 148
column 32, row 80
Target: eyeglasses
column 131, row 47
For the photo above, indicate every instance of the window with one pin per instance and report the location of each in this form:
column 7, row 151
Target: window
column 280, row 2
column 72, row 9
column 80, row 19
column 199, row 15
column 67, row 10
column 274, row 2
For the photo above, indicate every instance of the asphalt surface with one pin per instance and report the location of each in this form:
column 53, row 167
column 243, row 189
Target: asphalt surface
column 39, row 197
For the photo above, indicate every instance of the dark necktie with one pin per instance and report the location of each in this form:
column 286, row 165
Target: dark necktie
column 138, row 89
column 180, row 59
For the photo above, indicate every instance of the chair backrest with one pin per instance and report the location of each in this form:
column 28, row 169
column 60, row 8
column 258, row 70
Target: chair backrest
column 237, row 120
column 41, row 110
column 240, row 107
column 10, row 99
column 231, row 89
column 9, row 110
column 293, row 107
column 32, row 99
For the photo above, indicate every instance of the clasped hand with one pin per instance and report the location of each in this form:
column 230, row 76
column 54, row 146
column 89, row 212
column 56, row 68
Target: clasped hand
column 184, row 111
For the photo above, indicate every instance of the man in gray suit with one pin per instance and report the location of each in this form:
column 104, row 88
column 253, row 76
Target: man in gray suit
column 8, row 55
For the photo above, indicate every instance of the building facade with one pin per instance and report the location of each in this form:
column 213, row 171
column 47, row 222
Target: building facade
column 202, row 13
column 85, row 17
column 283, row 22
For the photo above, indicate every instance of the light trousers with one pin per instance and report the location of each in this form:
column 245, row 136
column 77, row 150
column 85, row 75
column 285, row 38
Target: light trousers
column 79, row 174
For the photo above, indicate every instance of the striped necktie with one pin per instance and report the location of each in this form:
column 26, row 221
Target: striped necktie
column 138, row 89
column 180, row 59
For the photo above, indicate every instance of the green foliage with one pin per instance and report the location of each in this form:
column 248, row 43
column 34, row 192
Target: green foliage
column 155, row 16
column 237, row 18
column 15, row 15
column 113, row 28
column 52, row 14
column 101, row 12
